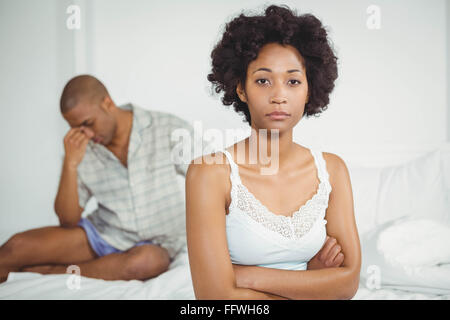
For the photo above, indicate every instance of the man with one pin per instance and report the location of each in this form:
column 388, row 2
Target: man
column 123, row 157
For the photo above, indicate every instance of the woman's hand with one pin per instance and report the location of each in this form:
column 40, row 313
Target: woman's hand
column 330, row 256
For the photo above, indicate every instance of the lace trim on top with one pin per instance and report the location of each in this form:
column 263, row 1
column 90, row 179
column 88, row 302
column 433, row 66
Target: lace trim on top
column 292, row 227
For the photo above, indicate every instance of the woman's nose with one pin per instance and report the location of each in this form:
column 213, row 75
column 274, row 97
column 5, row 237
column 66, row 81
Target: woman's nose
column 278, row 94
column 278, row 100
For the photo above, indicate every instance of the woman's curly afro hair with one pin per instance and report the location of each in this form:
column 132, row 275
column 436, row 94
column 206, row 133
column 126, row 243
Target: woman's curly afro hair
column 245, row 35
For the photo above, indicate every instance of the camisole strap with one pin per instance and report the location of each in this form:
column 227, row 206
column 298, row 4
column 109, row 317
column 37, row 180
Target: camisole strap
column 233, row 166
column 318, row 159
column 321, row 165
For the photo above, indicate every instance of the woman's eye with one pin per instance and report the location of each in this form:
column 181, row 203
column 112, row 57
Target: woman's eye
column 294, row 82
column 262, row 81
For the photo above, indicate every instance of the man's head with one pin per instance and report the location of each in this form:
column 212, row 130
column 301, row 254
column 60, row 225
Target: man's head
column 85, row 103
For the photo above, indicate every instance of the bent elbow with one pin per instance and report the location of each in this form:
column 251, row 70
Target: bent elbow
column 351, row 288
column 63, row 223
column 349, row 294
column 68, row 225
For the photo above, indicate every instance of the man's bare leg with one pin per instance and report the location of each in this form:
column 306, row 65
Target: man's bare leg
column 47, row 245
column 39, row 248
column 138, row 263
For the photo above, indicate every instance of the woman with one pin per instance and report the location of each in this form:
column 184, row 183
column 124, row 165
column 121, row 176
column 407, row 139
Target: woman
column 251, row 235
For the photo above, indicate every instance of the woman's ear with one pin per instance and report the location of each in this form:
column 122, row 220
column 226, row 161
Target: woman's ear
column 241, row 93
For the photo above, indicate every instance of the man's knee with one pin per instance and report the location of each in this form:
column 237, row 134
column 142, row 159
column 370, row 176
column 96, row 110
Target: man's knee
column 15, row 244
column 146, row 261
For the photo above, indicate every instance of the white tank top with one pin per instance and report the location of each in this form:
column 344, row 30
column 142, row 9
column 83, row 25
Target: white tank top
column 256, row 236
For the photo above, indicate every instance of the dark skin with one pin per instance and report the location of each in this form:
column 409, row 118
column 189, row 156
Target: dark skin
column 104, row 123
column 50, row 250
column 275, row 81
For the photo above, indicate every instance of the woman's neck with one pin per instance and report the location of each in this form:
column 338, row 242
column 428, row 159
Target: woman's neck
column 269, row 148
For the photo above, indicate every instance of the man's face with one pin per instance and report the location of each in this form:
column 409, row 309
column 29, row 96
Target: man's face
column 276, row 82
column 95, row 120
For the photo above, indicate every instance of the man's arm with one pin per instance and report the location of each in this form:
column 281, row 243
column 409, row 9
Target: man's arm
column 328, row 283
column 66, row 204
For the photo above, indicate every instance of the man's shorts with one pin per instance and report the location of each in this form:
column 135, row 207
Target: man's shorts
column 100, row 246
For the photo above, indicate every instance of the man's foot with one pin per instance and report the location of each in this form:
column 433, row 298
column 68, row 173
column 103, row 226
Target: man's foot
column 4, row 272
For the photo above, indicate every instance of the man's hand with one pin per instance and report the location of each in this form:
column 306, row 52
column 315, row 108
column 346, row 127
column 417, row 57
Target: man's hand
column 330, row 256
column 75, row 143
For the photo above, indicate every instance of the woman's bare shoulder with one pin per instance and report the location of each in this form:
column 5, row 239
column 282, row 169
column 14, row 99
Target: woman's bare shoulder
column 208, row 183
column 333, row 160
column 336, row 167
column 208, row 167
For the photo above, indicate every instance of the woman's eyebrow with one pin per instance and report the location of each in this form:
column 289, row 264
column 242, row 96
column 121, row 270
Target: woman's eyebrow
column 268, row 70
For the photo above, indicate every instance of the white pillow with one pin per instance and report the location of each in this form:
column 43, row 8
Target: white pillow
column 424, row 274
column 413, row 243
column 415, row 189
column 365, row 182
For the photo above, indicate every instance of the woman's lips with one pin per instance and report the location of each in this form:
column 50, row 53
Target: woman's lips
column 278, row 115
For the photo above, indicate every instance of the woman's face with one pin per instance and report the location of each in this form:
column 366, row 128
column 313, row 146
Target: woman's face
column 276, row 88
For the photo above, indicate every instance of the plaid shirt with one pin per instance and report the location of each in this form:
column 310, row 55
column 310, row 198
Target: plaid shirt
column 144, row 201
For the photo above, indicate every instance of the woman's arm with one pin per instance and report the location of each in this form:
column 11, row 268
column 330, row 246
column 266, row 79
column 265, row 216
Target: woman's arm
column 329, row 283
column 211, row 268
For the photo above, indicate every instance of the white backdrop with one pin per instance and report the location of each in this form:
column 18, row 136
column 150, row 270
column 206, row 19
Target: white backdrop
column 390, row 101
column 390, row 94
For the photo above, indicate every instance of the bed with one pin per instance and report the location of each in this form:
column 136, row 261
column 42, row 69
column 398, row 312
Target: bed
column 403, row 217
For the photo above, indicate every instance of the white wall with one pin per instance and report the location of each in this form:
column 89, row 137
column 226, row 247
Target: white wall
column 35, row 58
column 390, row 95
column 448, row 70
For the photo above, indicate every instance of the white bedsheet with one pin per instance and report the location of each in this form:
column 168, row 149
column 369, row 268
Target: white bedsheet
column 175, row 284
column 395, row 294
